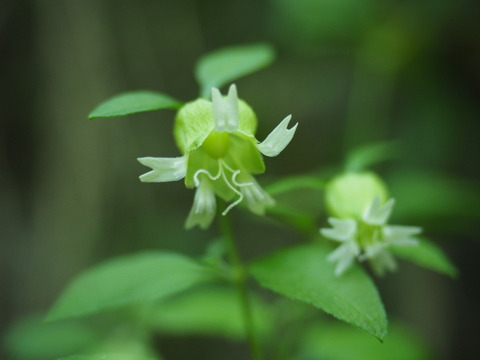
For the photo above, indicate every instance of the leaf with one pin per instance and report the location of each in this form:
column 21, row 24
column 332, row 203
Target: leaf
column 139, row 278
column 338, row 342
column 32, row 338
column 211, row 311
column 430, row 195
column 426, row 254
column 365, row 156
column 301, row 220
column 132, row 103
column 111, row 356
column 225, row 65
column 295, row 183
column 303, row 273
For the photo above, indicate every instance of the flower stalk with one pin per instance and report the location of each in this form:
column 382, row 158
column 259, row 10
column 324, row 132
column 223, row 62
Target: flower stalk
column 240, row 278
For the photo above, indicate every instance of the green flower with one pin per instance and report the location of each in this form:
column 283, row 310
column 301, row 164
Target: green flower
column 360, row 224
column 220, row 155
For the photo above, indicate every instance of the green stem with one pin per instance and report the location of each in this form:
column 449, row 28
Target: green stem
column 241, row 283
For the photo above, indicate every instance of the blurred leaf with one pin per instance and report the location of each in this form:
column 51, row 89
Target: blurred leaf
column 132, row 279
column 303, row 273
column 32, row 339
column 132, row 103
column 338, row 342
column 226, row 65
column 210, row 311
column 422, row 194
column 426, row 254
column 295, row 183
column 298, row 219
column 111, row 356
column 365, row 156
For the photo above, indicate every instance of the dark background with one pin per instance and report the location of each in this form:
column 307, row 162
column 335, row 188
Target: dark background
column 350, row 72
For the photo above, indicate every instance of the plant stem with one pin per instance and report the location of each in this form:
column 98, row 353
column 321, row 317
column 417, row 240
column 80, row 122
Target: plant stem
column 241, row 283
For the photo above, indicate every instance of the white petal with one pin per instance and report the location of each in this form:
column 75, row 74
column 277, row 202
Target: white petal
column 376, row 213
column 232, row 109
column 278, row 139
column 372, row 250
column 401, row 235
column 344, row 256
column 164, row 169
column 257, row 199
column 225, row 110
column 204, row 207
column 218, row 110
column 343, row 229
column 383, row 262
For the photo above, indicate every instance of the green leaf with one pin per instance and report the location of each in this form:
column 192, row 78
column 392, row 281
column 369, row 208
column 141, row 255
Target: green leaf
column 301, row 220
column 111, row 356
column 132, row 103
column 33, row 339
column 363, row 157
column 426, row 254
column 139, row 278
column 338, row 342
column 430, row 195
column 295, row 183
column 303, row 273
column 226, row 65
column 210, row 311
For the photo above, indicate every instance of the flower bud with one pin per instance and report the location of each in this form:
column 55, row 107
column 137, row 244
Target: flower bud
column 349, row 195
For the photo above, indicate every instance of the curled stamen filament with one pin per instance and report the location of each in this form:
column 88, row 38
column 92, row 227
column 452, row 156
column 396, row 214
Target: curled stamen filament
column 232, row 183
column 210, row 176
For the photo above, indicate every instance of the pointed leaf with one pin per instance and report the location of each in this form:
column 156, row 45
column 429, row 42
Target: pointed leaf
column 428, row 255
column 363, row 157
column 32, row 338
column 132, row 103
column 212, row 311
column 303, row 273
column 225, row 65
column 339, row 342
column 139, row 278
column 111, row 356
column 298, row 182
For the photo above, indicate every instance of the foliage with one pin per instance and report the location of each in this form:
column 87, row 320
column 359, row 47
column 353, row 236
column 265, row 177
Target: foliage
column 160, row 292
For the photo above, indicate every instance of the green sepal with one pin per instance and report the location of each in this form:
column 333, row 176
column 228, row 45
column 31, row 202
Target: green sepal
column 199, row 159
column 244, row 155
column 194, row 122
column 132, row 103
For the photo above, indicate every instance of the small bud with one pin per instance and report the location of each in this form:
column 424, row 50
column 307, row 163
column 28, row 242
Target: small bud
column 357, row 203
column 349, row 195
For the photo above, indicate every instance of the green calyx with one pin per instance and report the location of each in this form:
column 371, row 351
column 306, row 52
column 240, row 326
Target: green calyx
column 367, row 234
column 350, row 194
column 217, row 144
column 194, row 123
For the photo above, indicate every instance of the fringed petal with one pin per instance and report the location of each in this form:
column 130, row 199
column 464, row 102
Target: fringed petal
column 376, row 213
column 204, row 206
column 164, row 169
column 278, row 139
column 343, row 230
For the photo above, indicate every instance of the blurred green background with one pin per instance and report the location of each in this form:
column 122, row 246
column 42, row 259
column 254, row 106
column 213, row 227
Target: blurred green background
column 351, row 72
